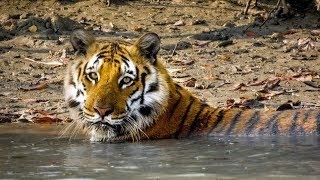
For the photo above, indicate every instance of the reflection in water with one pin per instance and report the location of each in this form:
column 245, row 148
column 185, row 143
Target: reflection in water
column 36, row 152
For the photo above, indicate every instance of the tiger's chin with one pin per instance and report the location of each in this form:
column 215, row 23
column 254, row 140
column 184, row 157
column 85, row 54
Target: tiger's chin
column 112, row 129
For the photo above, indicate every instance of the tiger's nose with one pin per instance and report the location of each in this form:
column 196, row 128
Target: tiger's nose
column 103, row 111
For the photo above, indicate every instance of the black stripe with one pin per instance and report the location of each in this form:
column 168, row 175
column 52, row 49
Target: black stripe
column 293, row 127
column 73, row 84
column 137, row 74
column 143, row 82
column 121, row 83
column 174, row 107
column 134, row 117
column 125, row 60
column 78, row 93
column 305, row 119
column 133, row 92
column 104, row 52
column 196, row 120
column 78, row 65
column 147, row 69
column 220, row 116
column 73, row 103
column 145, row 110
column 100, row 56
column 135, row 99
column 79, row 73
column 270, row 122
column 96, row 61
column 86, row 77
column 252, row 122
column 128, row 107
column 130, row 72
column 87, row 114
column 85, row 67
column 307, row 114
column 233, row 122
column 121, row 50
column 184, row 117
column 153, row 86
column 104, row 47
column 178, row 86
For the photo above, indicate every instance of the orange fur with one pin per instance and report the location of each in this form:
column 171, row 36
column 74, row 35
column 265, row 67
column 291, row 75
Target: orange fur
column 182, row 114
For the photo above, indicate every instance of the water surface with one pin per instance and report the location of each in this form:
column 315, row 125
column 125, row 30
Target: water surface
column 33, row 151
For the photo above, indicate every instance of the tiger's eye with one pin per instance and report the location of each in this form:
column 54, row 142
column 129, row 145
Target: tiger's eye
column 93, row 75
column 127, row 80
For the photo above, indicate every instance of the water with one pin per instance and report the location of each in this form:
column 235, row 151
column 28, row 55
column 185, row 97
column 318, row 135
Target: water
column 33, row 151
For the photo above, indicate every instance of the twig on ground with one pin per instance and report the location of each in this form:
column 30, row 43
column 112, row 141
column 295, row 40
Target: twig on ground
column 269, row 14
column 53, row 63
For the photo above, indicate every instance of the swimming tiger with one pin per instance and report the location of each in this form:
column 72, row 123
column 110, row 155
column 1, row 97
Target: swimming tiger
column 119, row 91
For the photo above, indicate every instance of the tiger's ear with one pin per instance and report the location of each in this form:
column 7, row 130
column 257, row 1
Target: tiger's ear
column 148, row 46
column 81, row 41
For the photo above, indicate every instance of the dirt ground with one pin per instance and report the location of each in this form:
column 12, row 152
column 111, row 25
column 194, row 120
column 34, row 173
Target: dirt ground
column 224, row 57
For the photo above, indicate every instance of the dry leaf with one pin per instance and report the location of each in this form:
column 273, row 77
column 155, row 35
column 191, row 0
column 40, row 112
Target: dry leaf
column 268, row 95
column 239, row 86
column 179, row 23
column 312, row 84
column 38, row 116
column 271, row 84
column 190, row 82
column 40, row 86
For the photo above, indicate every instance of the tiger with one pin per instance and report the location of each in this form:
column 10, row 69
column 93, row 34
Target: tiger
column 119, row 91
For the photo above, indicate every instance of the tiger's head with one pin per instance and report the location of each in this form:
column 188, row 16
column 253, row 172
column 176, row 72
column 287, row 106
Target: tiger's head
column 114, row 89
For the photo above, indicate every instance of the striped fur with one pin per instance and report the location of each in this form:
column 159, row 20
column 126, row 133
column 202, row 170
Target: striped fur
column 143, row 102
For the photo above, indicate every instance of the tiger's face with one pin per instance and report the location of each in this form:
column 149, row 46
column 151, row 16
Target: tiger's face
column 114, row 89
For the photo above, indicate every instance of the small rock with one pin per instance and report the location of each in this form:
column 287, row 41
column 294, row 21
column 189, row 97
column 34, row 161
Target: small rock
column 276, row 36
column 184, row 45
column 61, row 40
column 17, row 56
column 198, row 22
column 315, row 32
column 229, row 24
column 24, row 15
column 190, row 82
column 177, row 1
column 211, row 35
column 179, row 23
column 33, row 28
column 200, row 86
column 106, row 29
column 258, row 44
column 113, row 27
column 241, row 51
column 181, row 45
column 96, row 28
column 225, row 43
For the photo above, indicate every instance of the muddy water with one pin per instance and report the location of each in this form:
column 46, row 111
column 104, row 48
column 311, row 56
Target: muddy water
column 32, row 151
